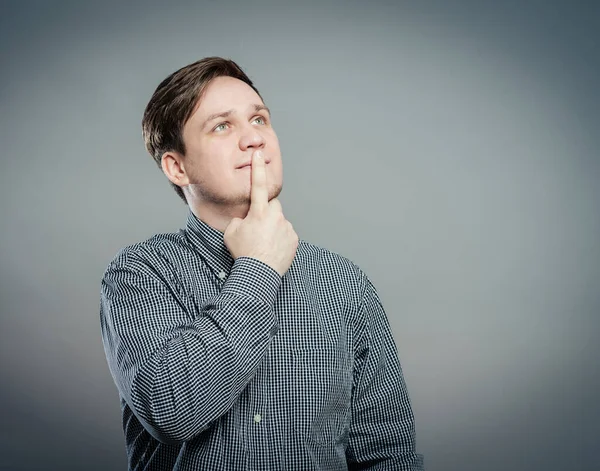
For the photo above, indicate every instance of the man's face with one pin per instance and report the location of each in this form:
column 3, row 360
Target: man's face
column 216, row 146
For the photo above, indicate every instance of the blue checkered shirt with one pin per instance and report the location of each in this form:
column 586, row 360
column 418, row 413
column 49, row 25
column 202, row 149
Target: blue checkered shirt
column 222, row 364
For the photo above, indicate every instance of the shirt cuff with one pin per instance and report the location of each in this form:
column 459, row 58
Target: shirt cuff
column 251, row 277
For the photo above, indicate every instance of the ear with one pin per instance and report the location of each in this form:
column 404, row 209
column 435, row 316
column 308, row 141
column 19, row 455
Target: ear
column 173, row 167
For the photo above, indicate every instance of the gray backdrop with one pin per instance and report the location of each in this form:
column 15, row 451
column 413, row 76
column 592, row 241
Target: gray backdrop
column 448, row 148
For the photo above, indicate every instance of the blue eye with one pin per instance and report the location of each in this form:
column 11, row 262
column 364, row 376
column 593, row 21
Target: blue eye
column 219, row 125
column 261, row 118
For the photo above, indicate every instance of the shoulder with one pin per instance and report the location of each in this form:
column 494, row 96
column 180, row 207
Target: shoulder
column 317, row 254
column 329, row 263
column 156, row 251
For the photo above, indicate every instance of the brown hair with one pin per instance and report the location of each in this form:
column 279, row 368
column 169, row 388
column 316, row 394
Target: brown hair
column 174, row 101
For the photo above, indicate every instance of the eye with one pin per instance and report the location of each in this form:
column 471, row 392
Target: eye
column 220, row 127
column 262, row 120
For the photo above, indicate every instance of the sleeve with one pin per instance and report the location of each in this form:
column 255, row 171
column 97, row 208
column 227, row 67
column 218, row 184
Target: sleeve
column 382, row 431
column 180, row 370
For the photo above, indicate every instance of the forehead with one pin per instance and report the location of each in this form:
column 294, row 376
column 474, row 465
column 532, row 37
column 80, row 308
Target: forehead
column 226, row 93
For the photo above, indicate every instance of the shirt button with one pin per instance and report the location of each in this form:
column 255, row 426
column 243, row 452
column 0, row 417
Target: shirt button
column 257, row 418
column 222, row 275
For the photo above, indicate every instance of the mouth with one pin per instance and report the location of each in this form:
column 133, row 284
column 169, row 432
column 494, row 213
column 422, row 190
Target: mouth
column 249, row 165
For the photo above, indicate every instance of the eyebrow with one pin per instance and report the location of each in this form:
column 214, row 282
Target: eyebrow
column 225, row 114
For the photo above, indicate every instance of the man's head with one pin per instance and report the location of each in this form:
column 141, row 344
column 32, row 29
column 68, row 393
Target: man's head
column 201, row 124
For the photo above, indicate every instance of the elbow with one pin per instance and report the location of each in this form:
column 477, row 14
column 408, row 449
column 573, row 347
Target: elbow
column 170, row 432
column 169, row 425
column 170, row 422
column 174, row 402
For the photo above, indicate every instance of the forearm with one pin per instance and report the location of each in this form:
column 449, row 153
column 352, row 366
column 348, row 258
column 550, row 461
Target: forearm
column 383, row 432
column 197, row 376
column 181, row 377
column 385, row 443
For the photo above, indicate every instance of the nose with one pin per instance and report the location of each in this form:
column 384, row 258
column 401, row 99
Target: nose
column 251, row 138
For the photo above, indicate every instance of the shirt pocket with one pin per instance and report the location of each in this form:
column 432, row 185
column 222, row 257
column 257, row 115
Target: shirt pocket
column 322, row 391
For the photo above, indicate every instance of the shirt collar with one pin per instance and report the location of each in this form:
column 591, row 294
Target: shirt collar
column 209, row 242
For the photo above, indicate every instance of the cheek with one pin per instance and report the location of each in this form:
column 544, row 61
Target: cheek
column 217, row 156
column 277, row 170
column 274, row 140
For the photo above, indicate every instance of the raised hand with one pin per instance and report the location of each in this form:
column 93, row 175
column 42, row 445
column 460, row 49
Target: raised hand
column 264, row 233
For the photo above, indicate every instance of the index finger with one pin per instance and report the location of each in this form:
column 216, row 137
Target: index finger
column 259, row 194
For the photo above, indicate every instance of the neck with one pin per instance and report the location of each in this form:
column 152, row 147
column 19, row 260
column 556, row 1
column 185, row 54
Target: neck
column 218, row 217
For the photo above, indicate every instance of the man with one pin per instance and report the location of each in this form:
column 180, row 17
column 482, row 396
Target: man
column 234, row 344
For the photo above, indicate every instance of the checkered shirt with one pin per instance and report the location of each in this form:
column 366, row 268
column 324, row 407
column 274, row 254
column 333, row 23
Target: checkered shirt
column 222, row 364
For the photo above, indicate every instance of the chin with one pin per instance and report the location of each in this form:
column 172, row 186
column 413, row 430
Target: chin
column 274, row 192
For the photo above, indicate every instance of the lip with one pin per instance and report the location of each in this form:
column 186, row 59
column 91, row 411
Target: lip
column 249, row 164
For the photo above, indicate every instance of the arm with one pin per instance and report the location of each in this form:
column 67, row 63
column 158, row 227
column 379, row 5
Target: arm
column 179, row 370
column 382, row 432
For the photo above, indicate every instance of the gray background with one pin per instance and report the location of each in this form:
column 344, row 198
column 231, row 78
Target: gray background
column 448, row 148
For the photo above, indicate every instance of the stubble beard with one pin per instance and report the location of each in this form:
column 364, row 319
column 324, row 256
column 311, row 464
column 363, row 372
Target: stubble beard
column 220, row 200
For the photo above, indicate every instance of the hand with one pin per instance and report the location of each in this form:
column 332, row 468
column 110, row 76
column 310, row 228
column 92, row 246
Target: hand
column 264, row 233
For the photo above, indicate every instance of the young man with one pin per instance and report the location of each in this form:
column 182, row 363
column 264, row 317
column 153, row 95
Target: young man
column 233, row 343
